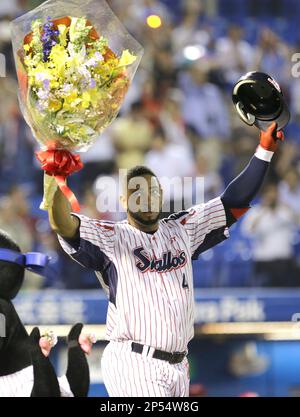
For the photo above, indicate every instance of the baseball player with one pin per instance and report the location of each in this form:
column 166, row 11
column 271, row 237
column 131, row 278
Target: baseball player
column 145, row 265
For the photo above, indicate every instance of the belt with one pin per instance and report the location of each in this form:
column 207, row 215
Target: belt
column 172, row 358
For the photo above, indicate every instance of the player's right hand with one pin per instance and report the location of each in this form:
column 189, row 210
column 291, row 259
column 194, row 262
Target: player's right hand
column 270, row 139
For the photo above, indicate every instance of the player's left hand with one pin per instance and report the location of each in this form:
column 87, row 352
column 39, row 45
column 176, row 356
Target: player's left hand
column 270, row 139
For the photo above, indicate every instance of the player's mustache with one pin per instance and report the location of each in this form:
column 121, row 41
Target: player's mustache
column 149, row 222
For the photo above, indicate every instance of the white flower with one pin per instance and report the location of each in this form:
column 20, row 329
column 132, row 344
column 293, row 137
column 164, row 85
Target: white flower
column 60, row 129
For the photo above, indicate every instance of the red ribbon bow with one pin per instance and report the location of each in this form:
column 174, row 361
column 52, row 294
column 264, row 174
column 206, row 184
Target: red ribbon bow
column 61, row 164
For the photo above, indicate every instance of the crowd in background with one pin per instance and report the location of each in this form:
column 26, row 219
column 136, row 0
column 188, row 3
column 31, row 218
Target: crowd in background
column 179, row 120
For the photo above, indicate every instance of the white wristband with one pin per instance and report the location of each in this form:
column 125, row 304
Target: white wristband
column 263, row 154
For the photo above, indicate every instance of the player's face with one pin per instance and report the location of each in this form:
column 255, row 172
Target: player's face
column 144, row 199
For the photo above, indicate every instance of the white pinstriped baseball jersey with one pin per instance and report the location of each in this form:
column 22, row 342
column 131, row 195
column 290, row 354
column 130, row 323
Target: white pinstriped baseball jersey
column 148, row 277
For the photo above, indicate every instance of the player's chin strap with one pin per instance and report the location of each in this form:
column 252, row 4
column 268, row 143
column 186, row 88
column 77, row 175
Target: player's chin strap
column 33, row 261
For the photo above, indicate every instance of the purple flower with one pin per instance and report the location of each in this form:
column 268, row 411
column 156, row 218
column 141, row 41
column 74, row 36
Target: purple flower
column 67, row 88
column 91, row 63
column 98, row 56
column 46, row 85
column 49, row 38
column 93, row 83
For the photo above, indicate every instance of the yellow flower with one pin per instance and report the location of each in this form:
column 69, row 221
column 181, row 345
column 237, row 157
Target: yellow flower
column 39, row 74
column 126, row 59
column 58, row 58
column 75, row 61
column 26, row 48
column 93, row 96
column 96, row 97
column 71, row 101
column 63, row 30
column 54, row 105
column 86, row 100
column 104, row 69
column 54, row 84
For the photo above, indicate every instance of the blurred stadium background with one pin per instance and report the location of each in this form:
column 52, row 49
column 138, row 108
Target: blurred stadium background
column 179, row 120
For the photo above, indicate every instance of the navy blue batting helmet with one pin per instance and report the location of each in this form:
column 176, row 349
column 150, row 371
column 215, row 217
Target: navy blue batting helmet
column 259, row 101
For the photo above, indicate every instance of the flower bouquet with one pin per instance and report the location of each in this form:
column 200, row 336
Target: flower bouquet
column 75, row 62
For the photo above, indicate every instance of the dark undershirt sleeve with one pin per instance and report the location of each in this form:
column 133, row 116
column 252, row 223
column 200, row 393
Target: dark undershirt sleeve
column 242, row 190
column 75, row 242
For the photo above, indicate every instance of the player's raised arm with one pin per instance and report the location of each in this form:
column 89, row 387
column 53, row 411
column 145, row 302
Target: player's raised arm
column 88, row 241
column 207, row 224
column 241, row 191
column 61, row 219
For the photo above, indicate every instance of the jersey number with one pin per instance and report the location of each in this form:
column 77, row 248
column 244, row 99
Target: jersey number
column 184, row 282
